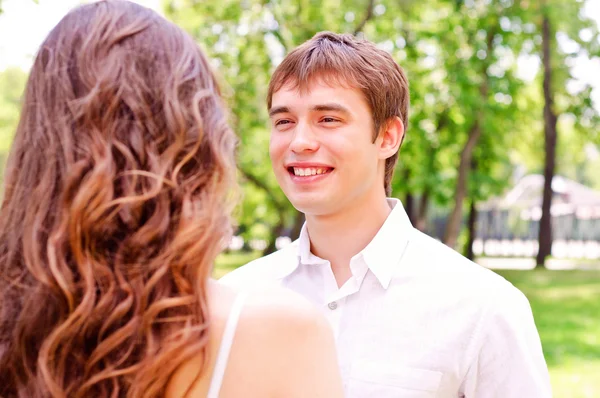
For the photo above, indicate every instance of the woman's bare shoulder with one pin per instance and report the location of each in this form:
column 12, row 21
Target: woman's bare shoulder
column 274, row 324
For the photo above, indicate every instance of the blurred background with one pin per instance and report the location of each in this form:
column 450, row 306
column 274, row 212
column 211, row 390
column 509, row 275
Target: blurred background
column 502, row 155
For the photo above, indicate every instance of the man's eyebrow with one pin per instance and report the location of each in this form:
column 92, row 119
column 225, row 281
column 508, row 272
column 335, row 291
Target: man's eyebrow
column 331, row 107
column 278, row 109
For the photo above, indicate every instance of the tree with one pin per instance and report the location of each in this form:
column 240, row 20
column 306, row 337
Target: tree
column 550, row 135
column 565, row 18
column 471, row 115
column 466, row 156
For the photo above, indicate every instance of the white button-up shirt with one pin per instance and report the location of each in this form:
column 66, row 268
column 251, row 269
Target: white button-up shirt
column 416, row 319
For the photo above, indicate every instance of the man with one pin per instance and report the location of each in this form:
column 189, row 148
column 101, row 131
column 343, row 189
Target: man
column 412, row 318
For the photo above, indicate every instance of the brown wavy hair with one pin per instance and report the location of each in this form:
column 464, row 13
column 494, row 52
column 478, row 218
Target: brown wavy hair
column 117, row 201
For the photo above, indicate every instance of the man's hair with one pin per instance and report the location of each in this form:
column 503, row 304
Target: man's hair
column 342, row 59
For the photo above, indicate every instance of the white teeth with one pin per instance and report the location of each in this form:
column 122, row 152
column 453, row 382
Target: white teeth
column 308, row 171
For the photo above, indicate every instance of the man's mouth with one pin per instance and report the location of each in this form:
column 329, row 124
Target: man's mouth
column 309, row 171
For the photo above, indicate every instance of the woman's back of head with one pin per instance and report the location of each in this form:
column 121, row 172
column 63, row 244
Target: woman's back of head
column 115, row 206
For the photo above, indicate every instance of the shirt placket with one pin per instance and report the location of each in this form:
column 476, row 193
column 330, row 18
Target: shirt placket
column 334, row 303
column 336, row 299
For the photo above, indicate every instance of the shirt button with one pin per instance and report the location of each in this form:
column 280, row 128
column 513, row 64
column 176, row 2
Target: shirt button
column 332, row 306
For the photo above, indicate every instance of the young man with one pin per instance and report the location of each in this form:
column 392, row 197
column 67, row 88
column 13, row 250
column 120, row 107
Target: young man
column 412, row 318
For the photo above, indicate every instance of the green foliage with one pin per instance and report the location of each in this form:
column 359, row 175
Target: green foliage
column 12, row 84
column 447, row 99
column 449, row 49
column 442, row 45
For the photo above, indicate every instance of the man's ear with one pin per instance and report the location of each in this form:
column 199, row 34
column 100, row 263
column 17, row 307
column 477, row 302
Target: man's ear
column 390, row 137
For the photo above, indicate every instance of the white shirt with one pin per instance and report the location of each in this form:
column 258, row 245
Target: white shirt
column 416, row 319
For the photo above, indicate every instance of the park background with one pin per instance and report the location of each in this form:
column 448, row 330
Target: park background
column 502, row 154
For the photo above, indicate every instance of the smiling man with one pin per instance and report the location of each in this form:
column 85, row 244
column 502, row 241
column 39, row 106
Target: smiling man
column 412, row 318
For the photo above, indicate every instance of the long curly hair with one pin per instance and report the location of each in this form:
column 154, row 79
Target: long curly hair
column 117, row 200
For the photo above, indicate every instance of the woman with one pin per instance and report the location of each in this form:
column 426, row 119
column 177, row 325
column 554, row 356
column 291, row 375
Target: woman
column 116, row 203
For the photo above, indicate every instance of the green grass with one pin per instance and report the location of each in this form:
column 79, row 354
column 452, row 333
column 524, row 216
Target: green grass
column 227, row 262
column 566, row 307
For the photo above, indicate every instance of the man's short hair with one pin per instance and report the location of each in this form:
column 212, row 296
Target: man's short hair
column 342, row 59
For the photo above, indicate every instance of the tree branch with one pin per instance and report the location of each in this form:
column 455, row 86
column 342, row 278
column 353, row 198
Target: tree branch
column 368, row 16
column 281, row 39
column 261, row 185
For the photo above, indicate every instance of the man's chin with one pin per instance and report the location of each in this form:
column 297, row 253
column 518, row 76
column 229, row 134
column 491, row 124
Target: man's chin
column 312, row 207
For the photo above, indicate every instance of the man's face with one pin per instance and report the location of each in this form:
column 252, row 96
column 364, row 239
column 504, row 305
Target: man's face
column 322, row 148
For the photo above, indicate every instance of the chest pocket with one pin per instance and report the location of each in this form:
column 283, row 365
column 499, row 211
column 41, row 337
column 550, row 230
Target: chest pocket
column 377, row 380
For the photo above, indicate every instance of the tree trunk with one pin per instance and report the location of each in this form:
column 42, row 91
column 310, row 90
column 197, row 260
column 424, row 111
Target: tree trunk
column 279, row 208
column 409, row 206
column 550, row 118
column 409, row 201
column 421, row 223
column 297, row 227
column 367, row 17
column 277, row 232
column 472, row 225
column 455, row 219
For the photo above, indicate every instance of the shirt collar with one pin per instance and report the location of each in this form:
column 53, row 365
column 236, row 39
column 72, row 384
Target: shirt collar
column 305, row 256
column 381, row 255
column 285, row 256
column 385, row 251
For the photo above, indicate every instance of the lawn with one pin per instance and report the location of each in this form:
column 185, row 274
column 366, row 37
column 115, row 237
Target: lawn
column 230, row 261
column 566, row 307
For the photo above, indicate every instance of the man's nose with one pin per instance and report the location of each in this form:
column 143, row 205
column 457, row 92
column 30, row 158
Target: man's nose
column 304, row 139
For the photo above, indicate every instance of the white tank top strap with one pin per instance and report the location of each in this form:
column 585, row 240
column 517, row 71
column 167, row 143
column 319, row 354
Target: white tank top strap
column 225, row 347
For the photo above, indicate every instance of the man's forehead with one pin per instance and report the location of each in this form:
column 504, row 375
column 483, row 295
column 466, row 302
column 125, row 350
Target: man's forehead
column 317, row 91
column 324, row 80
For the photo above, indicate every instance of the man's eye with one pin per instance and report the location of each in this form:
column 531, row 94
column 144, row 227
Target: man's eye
column 282, row 122
column 329, row 120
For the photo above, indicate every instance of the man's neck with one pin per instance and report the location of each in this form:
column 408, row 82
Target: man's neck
column 340, row 236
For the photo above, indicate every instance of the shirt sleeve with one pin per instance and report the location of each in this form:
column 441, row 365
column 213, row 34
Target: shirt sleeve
column 242, row 278
column 255, row 274
column 509, row 362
